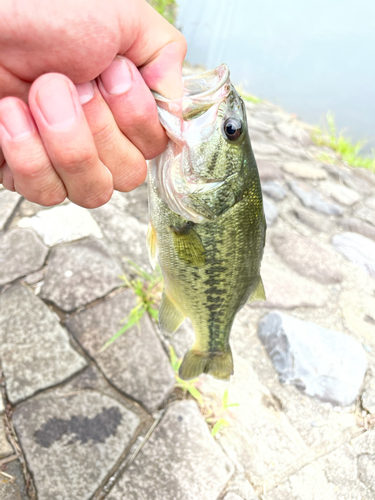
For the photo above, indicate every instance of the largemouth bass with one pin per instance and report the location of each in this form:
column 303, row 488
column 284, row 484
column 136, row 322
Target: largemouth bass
column 207, row 226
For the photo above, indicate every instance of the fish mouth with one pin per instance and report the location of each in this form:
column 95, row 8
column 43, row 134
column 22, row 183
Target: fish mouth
column 200, row 92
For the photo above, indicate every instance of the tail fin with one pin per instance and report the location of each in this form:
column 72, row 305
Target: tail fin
column 217, row 364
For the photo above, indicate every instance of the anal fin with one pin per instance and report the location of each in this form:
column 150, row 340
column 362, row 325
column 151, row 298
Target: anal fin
column 258, row 293
column 217, row 364
column 170, row 317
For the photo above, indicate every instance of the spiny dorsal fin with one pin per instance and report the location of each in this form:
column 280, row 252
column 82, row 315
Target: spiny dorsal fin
column 151, row 244
column 188, row 245
column 170, row 317
column 258, row 293
column 217, row 364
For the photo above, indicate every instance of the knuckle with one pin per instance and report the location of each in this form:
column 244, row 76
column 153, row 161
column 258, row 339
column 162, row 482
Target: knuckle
column 143, row 114
column 100, row 198
column 151, row 151
column 77, row 160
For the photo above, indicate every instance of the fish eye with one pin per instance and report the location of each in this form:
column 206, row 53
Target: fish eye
column 232, row 128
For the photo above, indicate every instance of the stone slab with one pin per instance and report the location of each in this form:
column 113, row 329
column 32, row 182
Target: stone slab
column 8, row 203
column 34, row 347
column 313, row 220
column 366, row 214
column 305, row 170
column 354, row 225
column 180, row 461
column 62, row 224
column 340, row 193
column 183, row 339
column 325, row 364
column 274, row 190
column 79, row 273
column 269, row 170
column 270, row 211
column 311, row 198
column 21, row 253
column 5, row 446
column 2, row 406
column 359, row 314
column 72, row 443
column 135, row 363
column 358, row 249
column 265, row 149
column 352, row 179
column 307, row 257
column 294, row 132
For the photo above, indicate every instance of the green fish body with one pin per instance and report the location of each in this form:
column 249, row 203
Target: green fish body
column 207, row 225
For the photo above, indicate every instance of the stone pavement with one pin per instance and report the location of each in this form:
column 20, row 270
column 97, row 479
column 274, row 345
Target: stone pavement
column 78, row 422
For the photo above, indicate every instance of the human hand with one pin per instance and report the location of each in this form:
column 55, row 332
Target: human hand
column 63, row 133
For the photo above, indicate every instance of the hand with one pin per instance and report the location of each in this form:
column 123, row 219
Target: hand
column 63, row 133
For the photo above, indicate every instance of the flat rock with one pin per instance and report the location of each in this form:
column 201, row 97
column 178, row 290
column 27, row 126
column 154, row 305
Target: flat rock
column 258, row 124
column 8, row 203
column 313, row 220
column 359, row 313
column 304, row 170
column 34, row 347
column 292, row 131
column 358, row 249
column 180, row 461
column 269, row 170
column 136, row 362
column 72, row 443
column 314, row 200
column 351, row 180
column 21, row 253
column 366, row 470
column 79, row 273
column 366, row 214
column 274, row 190
column 340, row 193
column 2, row 406
column 62, row 224
column 354, row 225
column 293, row 152
column 370, row 202
column 265, row 149
column 125, row 234
column 183, row 339
column 323, row 363
column 307, row 257
column 270, row 211
column 5, row 447
column 9, row 490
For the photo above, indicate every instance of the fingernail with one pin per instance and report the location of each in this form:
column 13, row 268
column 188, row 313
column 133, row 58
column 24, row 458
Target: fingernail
column 117, row 78
column 16, row 121
column 85, row 91
column 55, row 101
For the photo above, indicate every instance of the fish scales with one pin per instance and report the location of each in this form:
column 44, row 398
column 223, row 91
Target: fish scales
column 210, row 245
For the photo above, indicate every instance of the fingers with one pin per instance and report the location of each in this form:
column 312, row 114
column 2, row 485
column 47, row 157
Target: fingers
column 133, row 106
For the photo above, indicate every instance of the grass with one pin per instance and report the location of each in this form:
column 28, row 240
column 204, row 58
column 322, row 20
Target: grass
column 185, row 385
column 218, row 416
column 328, row 135
column 167, row 8
column 248, row 97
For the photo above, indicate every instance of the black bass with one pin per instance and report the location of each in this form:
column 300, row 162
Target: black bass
column 207, row 226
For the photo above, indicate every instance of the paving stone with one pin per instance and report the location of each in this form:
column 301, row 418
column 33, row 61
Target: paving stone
column 340, row 193
column 239, row 488
column 125, row 234
column 8, row 203
column 358, row 249
column 292, row 131
column 265, row 149
column 370, row 202
column 17, row 488
column 62, row 224
column 366, row 471
column 296, row 152
column 314, row 200
column 5, row 447
column 307, row 257
column 21, row 252
column 79, row 273
column 366, row 214
column 258, row 124
column 127, row 362
column 358, row 226
column 34, row 347
column 9, row 490
column 313, row 220
column 72, row 443
column 351, row 180
column 359, row 313
column 304, row 170
column 180, row 461
column 322, row 363
column 270, row 212
column 274, row 190
column 183, row 338
column 285, row 290
column 269, row 170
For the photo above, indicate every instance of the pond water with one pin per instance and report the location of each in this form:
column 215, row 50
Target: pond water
column 307, row 56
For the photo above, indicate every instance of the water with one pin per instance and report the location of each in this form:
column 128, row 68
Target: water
column 307, row 56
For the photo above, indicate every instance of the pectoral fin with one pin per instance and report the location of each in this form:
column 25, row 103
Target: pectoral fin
column 151, row 244
column 259, row 293
column 188, row 245
column 170, row 317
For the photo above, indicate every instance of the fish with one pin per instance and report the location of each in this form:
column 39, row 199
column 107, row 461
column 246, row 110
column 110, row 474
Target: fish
column 207, row 226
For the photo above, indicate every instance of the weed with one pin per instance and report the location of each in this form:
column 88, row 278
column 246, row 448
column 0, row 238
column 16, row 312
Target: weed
column 349, row 152
column 167, row 8
column 218, row 416
column 185, row 385
column 248, row 97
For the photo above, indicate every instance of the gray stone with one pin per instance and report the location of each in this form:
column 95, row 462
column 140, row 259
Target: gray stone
column 258, row 124
column 307, row 257
column 239, row 488
column 313, row 220
column 8, row 489
column 232, row 496
column 270, row 211
column 366, row 214
column 21, row 252
column 62, row 224
column 5, row 447
column 342, row 194
column 358, row 310
column 294, row 132
column 305, row 170
column 314, row 200
column 296, row 152
column 135, row 363
column 322, row 363
column 366, row 470
column 8, row 203
column 72, row 443
column 358, row 249
column 274, row 190
column 271, row 118
column 34, row 347
column 370, row 202
column 350, row 180
column 125, row 234
column 79, row 273
column 268, row 171
column 2, row 406
column 183, row 338
column 180, row 461
column 265, row 149
column 135, row 203
column 358, row 226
